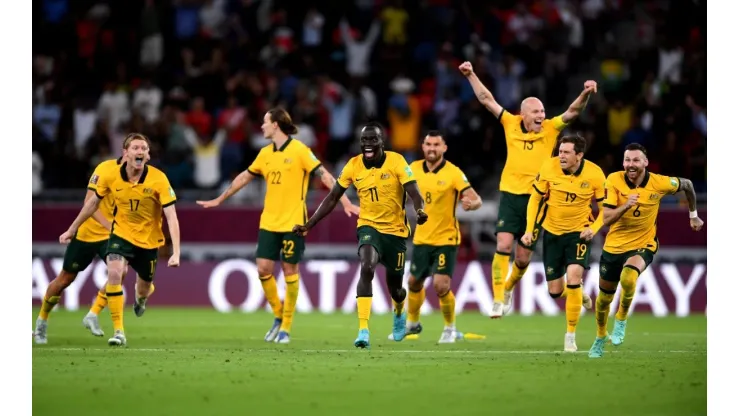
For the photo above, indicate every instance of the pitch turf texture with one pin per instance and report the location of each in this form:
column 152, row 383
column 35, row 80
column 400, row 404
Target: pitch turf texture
column 200, row 362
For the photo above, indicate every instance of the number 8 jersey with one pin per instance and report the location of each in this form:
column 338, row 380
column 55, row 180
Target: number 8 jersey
column 380, row 189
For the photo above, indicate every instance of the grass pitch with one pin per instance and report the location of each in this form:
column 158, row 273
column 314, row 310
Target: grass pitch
column 201, row 362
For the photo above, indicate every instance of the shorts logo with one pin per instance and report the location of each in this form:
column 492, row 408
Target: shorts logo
column 500, row 223
column 550, row 270
column 366, row 238
column 94, row 179
column 115, row 245
column 603, row 269
column 585, row 185
column 75, row 266
column 413, row 267
column 385, row 176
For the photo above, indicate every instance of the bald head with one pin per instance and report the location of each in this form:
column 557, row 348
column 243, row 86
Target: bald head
column 533, row 114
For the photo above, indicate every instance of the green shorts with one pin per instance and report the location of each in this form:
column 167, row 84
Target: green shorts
column 391, row 248
column 512, row 217
column 430, row 260
column 611, row 265
column 79, row 254
column 142, row 260
column 560, row 251
column 287, row 247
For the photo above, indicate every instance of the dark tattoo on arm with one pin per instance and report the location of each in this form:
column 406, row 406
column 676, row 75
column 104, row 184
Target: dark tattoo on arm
column 687, row 187
column 115, row 257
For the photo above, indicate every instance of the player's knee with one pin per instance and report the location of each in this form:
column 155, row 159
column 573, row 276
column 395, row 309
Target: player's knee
column 367, row 269
column 415, row 284
column 264, row 270
column 504, row 241
column 522, row 263
column 290, row 269
column 441, row 285
column 607, row 286
column 574, row 274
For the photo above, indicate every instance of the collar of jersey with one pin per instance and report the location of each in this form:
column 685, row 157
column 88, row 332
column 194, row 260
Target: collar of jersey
column 437, row 169
column 287, row 142
column 378, row 164
column 632, row 185
column 579, row 170
column 124, row 175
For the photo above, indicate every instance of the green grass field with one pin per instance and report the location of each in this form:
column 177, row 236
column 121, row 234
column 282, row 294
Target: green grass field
column 200, row 362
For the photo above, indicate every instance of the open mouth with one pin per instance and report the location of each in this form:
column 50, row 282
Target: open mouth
column 139, row 161
column 368, row 151
column 632, row 171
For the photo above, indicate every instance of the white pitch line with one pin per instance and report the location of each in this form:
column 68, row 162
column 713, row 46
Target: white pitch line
column 330, row 351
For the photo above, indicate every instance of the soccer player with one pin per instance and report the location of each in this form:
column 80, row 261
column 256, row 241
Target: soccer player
column 530, row 141
column 570, row 183
column 91, row 240
column 140, row 194
column 631, row 209
column 442, row 185
column 286, row 166
column 382, row 180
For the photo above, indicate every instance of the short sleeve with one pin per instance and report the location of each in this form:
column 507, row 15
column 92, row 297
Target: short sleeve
column 667, row 184
column 345, row 177
column 506, row 118
column 309, row 161
column 256, row 168
column 461, row 181
column 99, row 181
column 599, row 185
column 610, row 194
column 541, row 185
column 558, row 123
column 167, row 195
column 403, row 172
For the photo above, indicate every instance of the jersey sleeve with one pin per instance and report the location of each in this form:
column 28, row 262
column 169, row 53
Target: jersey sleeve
column 506, row 118
column 610, row 194
column 599, row 185
column 100, row 181
column 345, row 177
column 541, row 184
column 257, row 166
column 667, row 184
column 461, row 181
column 309, row 160
column 558, row 123
column 403, row 172
column 167, row 195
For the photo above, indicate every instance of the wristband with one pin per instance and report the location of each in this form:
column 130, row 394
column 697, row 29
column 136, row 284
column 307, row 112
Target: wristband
column 693, row 214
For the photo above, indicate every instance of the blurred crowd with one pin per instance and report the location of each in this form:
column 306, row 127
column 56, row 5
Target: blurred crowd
column 197, row 77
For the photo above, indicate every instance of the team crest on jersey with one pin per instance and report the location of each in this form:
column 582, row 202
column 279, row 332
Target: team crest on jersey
column 385, row 176
column 585, row 185
column 288, row 161
column 94, row 179
column 148, row 190
column 654, row 196
column 441, row 183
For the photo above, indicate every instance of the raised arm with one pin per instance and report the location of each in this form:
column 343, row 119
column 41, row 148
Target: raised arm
column 238, row 183
column 577, row 106
column 481, row 92
column 174, row 226
column 328, row 180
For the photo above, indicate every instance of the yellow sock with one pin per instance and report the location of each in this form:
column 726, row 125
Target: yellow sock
column 416, row 299
column 447, row 305
column 271, row 293
column 628, row 281
column 573, row 305
column 499, row 270
column 291, row 297
column 115, row 304
column 100, row 302
column 516, row 275
column 151, row 289
column 363, row 311
column 47, row 305
column 603, row 301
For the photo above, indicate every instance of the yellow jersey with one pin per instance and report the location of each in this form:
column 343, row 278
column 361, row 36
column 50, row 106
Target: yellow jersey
column 137, row 217
column 380, row 189
column 286, row 171
column 638, row 227
column 569, row 196
column 526, row 151
column 441, row 189
column 92, row 231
